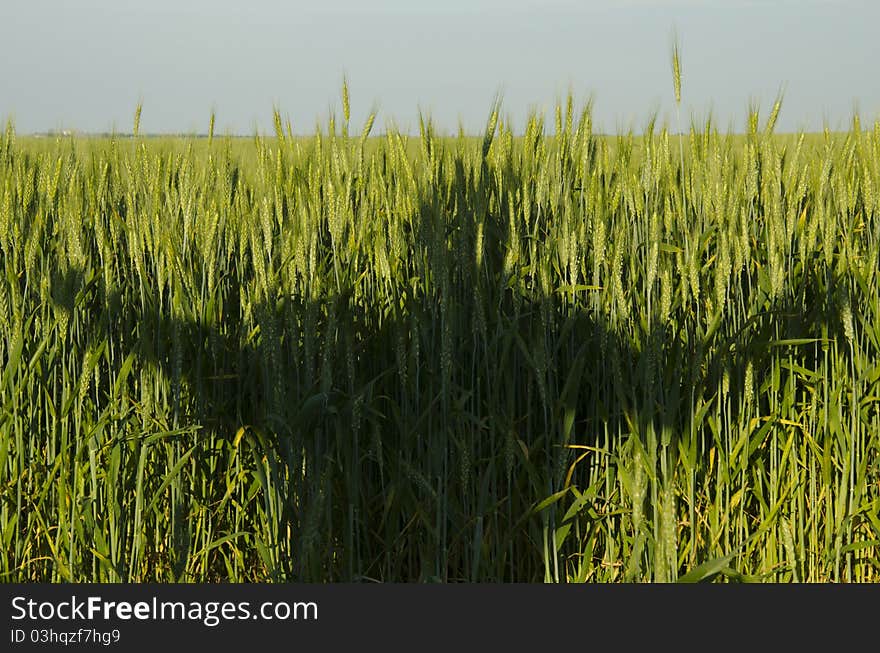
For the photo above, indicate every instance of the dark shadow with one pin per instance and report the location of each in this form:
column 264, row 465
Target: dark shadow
column 411, row 441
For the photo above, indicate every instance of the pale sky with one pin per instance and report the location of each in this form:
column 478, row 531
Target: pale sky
column 84, row 65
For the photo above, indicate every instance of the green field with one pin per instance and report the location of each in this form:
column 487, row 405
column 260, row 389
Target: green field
column 553, row 356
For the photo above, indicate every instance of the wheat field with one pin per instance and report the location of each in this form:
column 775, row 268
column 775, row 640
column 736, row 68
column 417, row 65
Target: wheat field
column 554, row 356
